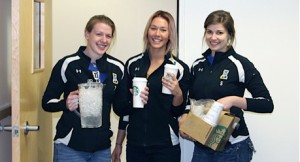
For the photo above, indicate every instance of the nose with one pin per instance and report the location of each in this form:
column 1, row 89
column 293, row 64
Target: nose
column 157, row 32
column 103, row 38
column 213, row 36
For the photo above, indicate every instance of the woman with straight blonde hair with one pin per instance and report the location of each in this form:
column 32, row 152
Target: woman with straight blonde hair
column 153, row 131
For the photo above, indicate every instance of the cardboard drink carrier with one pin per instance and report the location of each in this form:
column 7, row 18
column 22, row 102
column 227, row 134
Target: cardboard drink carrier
column 214, row 137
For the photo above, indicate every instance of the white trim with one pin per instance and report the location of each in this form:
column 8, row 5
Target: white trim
column 54, row 100
column 174, row 138
column 64, row 140
column 239, row 67
column 65, row 65
column 117, row 63
column 237, row 139
column 133, row 60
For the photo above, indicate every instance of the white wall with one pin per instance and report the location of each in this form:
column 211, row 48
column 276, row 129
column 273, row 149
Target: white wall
column 130, row 17
column 268, row 34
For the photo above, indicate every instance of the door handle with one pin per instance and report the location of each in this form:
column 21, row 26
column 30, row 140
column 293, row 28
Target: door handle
column 26, row 128
column 5, row 128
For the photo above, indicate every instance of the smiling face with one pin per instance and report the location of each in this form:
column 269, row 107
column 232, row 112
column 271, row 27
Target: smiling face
column 158, row 33
column 216, row 37
column 99, row 39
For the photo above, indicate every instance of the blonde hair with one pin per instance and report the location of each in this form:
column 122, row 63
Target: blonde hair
column 172, row 43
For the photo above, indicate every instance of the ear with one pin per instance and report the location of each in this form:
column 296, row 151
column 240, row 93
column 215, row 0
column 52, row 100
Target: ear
column 86, row 34
column 229, row 41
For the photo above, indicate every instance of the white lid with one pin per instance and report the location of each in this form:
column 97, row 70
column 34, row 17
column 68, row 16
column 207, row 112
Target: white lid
column 139, row 79
column 171, row 66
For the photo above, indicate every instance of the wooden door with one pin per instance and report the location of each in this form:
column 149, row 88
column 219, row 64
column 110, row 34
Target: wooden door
column 31, row 66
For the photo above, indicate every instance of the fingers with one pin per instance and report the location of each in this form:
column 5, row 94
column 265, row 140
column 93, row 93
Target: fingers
column 182, row 134
column 144, row 95
column 74, row 92
column 185, row 136
column 170, row 81
column 72, row 100
column 172, row 84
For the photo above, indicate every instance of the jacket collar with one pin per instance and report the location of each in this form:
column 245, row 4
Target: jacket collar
column 219, row 55
column 88, row 59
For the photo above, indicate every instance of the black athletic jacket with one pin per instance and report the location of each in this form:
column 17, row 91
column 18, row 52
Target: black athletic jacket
column 66, row 75
column 230, row 74
column 156, row 124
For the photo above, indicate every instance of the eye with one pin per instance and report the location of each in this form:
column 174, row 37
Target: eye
column 109, row 36
column 153, row 28
column 209, row 32
column 220, row 32
column 163, row 29
column 99, row 34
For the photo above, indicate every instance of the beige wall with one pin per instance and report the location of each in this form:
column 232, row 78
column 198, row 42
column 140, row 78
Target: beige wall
column 130, row 17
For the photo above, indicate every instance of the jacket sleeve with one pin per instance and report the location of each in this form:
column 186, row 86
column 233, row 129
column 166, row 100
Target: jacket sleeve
column 123, row 122
column 190, row 91
column 51, row 101
column 261, row 101
column 184, row 84
column 121, row 101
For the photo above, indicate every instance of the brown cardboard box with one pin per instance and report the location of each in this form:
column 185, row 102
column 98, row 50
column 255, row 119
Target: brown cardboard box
column 213, row 137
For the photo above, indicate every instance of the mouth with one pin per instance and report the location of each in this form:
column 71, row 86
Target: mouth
column 214, row 43
column 156, row 40
column 101, row 45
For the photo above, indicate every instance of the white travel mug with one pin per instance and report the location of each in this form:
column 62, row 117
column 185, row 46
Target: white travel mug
column 138, row 84
column 169, row 68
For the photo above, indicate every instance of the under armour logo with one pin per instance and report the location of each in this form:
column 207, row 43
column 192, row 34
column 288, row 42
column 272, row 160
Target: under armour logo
column 137, row 69
column 200, row 69
column 78, row 70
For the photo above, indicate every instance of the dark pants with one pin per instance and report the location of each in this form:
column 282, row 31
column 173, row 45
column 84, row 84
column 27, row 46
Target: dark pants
column 238, row 152
column 153, row 154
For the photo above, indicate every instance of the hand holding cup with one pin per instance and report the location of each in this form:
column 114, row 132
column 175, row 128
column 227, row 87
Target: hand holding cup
column 169, row 79
column 139, row 92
